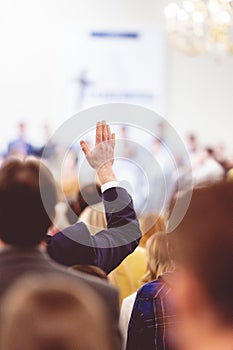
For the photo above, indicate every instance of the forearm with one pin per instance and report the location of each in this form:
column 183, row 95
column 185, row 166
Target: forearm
column 123, row 232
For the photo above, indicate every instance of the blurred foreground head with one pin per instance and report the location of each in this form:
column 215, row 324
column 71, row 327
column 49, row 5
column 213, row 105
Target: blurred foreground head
column 52, row 314
column 203, row 250
column 24, row 216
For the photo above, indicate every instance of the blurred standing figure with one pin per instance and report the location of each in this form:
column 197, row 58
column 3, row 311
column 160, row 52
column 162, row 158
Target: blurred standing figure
column 193, row 144
column 203, row 289
column 20, row 147
column 69, row 175
column 208, row 169
column 162, row 175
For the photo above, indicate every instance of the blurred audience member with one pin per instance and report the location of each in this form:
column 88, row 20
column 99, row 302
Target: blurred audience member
column 208, row 169
column 60, row 220
column 152, row 315
column 193, row 144
column 202, row 284
column 91, row 270
column 20, row 147
column 53, row 313
column 125, row 145
column 220, row 156
column 162, row 176
column 127, row 277
column 94, row 217
column 24, row 221
column 25, row 218
column 230, row 174
column 194, row 149
column 48, row 150
column 69, row 176
column 87, row 196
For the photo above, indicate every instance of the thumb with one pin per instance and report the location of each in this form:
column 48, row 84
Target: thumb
column 84, row 147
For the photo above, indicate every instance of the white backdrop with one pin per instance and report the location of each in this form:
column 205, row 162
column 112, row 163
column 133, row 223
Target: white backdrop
column 33, row 73
column 107, row 66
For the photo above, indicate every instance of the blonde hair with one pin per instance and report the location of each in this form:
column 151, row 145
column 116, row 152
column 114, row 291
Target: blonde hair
column 150, row 224
column 230, row 174
column 158, row 259
column 53, row 313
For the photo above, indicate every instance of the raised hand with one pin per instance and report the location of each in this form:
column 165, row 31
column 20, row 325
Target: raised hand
column 101, row 157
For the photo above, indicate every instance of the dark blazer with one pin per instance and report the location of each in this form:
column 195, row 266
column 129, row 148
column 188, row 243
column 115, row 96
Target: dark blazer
column 75, row 245
column 16, row 263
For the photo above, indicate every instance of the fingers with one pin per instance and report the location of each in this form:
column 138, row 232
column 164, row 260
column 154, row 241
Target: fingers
column 113, row 139
column 109, row 132
column 103, row 133
column 84, row 147
column 98, row 135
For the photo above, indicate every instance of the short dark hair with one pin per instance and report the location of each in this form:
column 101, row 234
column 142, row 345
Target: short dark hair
column 89, row 195
column 203, row 243
column 24, row 216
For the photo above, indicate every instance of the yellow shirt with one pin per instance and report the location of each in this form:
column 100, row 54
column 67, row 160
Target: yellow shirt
column 126, row 277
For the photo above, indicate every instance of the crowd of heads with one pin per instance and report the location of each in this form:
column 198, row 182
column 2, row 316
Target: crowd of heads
column 197, row 254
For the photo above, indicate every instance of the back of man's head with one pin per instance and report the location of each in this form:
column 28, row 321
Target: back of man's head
column 203, row 244
column 24, row 216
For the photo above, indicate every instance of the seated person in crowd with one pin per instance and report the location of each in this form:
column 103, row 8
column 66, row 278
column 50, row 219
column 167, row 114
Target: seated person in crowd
column 94, row 217
column 151, row 313
column 68, row 213
column 20, row 147
column 230, row 174
column 202, row 286
column 87, row 195
column 91, row 270
column 47, row 314
column 25, row 219
column 127, row 277
column 75, row 245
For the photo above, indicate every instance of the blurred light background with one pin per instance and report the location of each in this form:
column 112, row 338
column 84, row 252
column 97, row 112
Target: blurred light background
column 53, row 56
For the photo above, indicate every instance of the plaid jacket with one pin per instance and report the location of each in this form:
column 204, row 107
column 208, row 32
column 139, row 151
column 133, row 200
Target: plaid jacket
column 152, row 319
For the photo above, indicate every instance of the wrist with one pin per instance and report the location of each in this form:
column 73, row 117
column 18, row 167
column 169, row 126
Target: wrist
column 106, row 174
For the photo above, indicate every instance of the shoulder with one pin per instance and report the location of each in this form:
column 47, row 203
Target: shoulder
column 72, row 246
column 152, row 289
column 101, row 287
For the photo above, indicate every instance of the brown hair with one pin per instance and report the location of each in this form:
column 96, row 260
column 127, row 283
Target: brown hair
column 90, row 270
column 53, row 314
column 24, row 215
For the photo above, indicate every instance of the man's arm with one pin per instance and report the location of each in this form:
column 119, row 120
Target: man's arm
column 109, row 247
column 75, row 244
column 123, row 232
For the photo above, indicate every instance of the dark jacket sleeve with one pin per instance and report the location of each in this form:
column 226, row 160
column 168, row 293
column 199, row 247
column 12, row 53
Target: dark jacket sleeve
column 106, row 249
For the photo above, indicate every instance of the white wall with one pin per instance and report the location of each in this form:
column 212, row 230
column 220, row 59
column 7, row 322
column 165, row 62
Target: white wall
column 32, row 65
column 32, row 59
column 199, row 96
